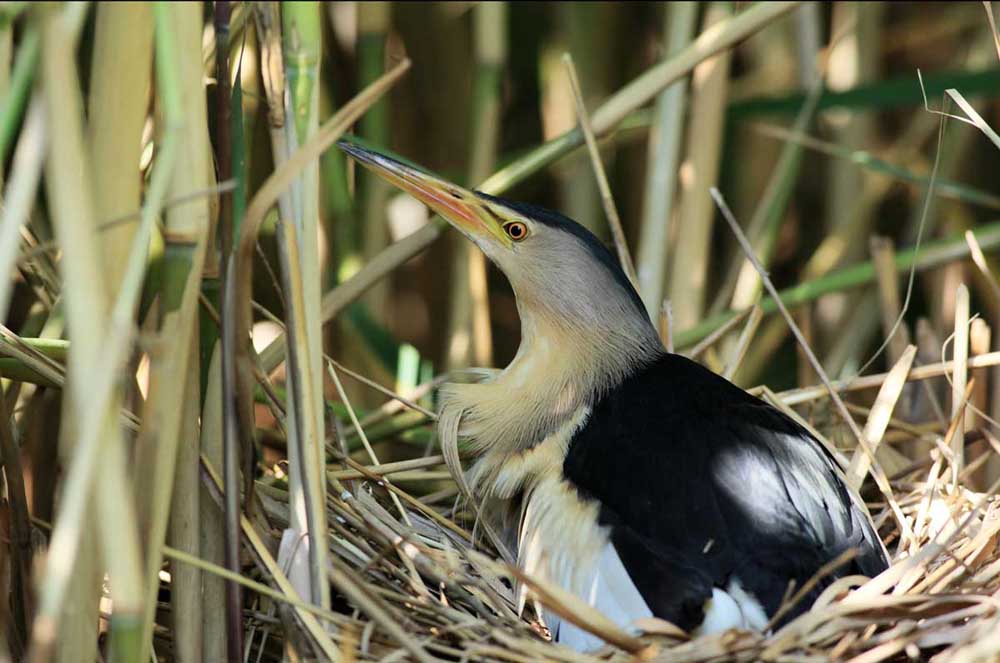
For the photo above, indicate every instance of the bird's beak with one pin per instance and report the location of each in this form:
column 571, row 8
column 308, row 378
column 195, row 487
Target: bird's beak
column 460, row 207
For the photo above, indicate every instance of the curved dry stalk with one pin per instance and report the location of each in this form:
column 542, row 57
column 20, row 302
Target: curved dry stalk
column 878, row 419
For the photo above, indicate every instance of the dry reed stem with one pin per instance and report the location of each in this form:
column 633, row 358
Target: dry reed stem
column 19, row 194
column 95, row 436
column 960, row 355
column 663, row 155
column 212, row 527
column 891, row 308
column 691, row 258
column 186, row 232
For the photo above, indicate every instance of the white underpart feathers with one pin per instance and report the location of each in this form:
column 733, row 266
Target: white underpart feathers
column 612, row 592
column 732, row 607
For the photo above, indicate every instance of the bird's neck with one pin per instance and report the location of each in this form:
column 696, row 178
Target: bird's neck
column 558, row 372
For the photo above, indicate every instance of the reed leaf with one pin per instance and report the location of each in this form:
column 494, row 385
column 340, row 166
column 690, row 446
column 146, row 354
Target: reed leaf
column 90, row 381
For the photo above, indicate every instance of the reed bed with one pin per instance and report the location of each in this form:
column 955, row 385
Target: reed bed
column 174, row 492
column 432, row 588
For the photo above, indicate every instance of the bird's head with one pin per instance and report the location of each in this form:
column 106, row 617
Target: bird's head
column 567, row 284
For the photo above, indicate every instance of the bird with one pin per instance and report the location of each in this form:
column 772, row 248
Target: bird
column 634, row 478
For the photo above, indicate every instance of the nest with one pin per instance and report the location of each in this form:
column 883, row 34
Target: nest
column 414, row 579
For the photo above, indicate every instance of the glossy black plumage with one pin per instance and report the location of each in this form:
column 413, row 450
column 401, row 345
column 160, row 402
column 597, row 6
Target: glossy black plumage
column 701, row 482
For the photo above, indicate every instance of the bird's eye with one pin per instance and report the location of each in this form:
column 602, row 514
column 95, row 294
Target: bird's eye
column 516, row 230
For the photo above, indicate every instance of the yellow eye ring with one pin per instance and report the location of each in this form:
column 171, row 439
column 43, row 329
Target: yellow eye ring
column 516, row 230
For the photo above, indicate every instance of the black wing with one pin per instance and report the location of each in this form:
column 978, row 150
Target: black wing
column 701, row 482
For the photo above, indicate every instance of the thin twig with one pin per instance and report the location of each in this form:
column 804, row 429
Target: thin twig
column 364, row 438
column 383, row 390
column 614, row 222
column 876, row 470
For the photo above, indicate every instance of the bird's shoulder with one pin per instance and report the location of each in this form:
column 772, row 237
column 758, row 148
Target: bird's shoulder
column 672, row 397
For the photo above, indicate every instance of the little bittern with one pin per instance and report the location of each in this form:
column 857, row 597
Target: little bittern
column 640, row 481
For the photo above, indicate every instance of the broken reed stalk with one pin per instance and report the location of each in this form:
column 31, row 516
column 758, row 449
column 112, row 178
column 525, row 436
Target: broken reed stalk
column 878, row 419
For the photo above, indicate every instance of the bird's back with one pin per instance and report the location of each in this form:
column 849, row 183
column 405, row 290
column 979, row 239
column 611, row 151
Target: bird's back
column 702, row 485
